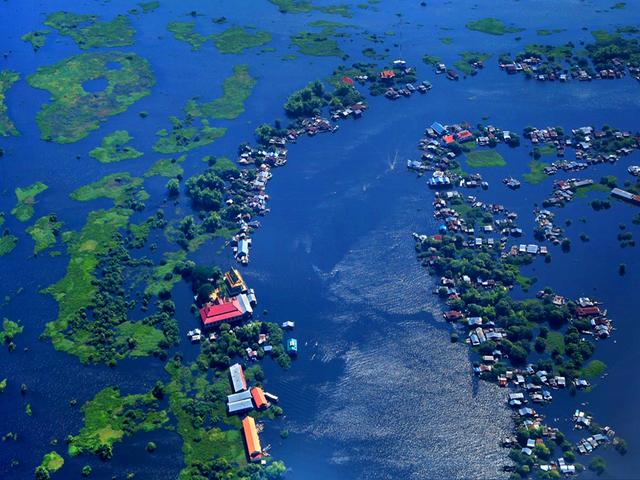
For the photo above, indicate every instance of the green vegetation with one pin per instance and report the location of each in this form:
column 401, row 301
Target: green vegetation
column 594, row 369
column 237, row 89
column 431, row 59
column 166, row 167
column 236, row 39
column 544, row 32
column 45, row 232
column 37, row 39
column 319, row 44
column 446, row 40
column 148, row 7
column 3, row 385
column 109, row 417
column 555, row 342
column 24, row 210
column 115, row 149
column 485, row 158
column 305, row 6
column 122, row 188
column 310, row 100
column 53, row 461
column 536, row 173
column 74, row 112
column 597, row 465
column 7, row 243
column 232, row 40
column 492, row 26
column 164, row 277
column 88, row 32
column 185, row 32
column 618, row 6
column 467, row 60
column 7, row 78
column 184, row 136
column 9, row 330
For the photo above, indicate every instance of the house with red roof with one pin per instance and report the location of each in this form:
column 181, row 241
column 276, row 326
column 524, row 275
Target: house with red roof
column 226, row 311
column 448, row 139
column 464, row 136
column 387, row 74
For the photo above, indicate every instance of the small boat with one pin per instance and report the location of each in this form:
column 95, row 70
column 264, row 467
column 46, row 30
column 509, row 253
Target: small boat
column 292, row 346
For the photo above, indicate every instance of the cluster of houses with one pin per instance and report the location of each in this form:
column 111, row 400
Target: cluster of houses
column 544, row 224
column 242, row 400
column 393, row 93
column 587, row 445
column 564, row 190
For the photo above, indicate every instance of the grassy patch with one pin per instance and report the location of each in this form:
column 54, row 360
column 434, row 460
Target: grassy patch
column 9, row 330
column 75, row 291
column 186, row 32
column 148, row 7
column 593, row 369
column 467, row 59
column 318, row 44
column 536, row 173
column 583, row 192
column 492, row 26
column 166, row 167
column 119, row 187
column 446, row 40
column 7, row 243
column 44, row 232
column 163, row 278
column 305, row 6
column 114, row 148
column 52, row 461
column 555, row 341
column 236, row 39
column 485, row 158
column 7, row 78
column 74, row 112
column 24, row 210
column 237, row 88
column 431, row 59
column 184, row 136
column 37, row 39
column 88, row 32
column 544, row 32
column 109, row 417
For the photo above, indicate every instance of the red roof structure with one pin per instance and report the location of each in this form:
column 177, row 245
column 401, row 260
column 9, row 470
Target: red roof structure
column 465, row 135
column 448, row 139
column 227, row 311
column 387, row 74
column 587, row 311
column 258, row 398
column 347, row 80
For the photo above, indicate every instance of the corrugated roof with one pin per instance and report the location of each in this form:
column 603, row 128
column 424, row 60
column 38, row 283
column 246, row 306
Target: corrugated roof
column 251, row 437
column 258, row 397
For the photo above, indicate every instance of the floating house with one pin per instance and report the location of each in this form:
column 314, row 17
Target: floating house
column 627, row 196
column 237, row 378
column 252, row 441
column 292, row 346
column 240, row 407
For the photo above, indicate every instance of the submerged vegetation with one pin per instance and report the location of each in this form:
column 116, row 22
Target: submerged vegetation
column 26, row 199
column 73, row 111
column 185, row 135
column 37, row 39
column 232, row 40
column 306, row 6
column 114, row 148
column 7, row 243
column 7, row 78
column 485, row 158
column 88, row 32
column 166, row 167
column 319, row 44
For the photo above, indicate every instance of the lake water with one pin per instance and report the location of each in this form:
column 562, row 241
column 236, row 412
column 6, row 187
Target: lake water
column 378, row 392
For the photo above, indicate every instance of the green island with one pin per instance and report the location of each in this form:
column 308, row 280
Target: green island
column 26, row 199
column 467, row 61
column 74, row 112
column 9, row 330
column 164, row 276
column 536, row 173
column 305, row 6
column 109, row 417
column 166, row 167
column 545, row 32
column 122, row 188
column 114, row 148
column 237, row 39
column 88, row 32
column 148, row 7
column 594, row 369
column 37, row 39
column 45, row 232
column 185, row 32
column 185, row 136
column 51, row 462
column 485, row 158
column 319, row 44
column 7, row 243
column 492, row 26
column 7, row 79
column 232, row 40
column 237, row 88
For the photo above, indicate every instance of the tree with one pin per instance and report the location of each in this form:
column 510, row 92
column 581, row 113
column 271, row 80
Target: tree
column 597, row 465
column 42, row 473
column 151, row 447
column 173, row 187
